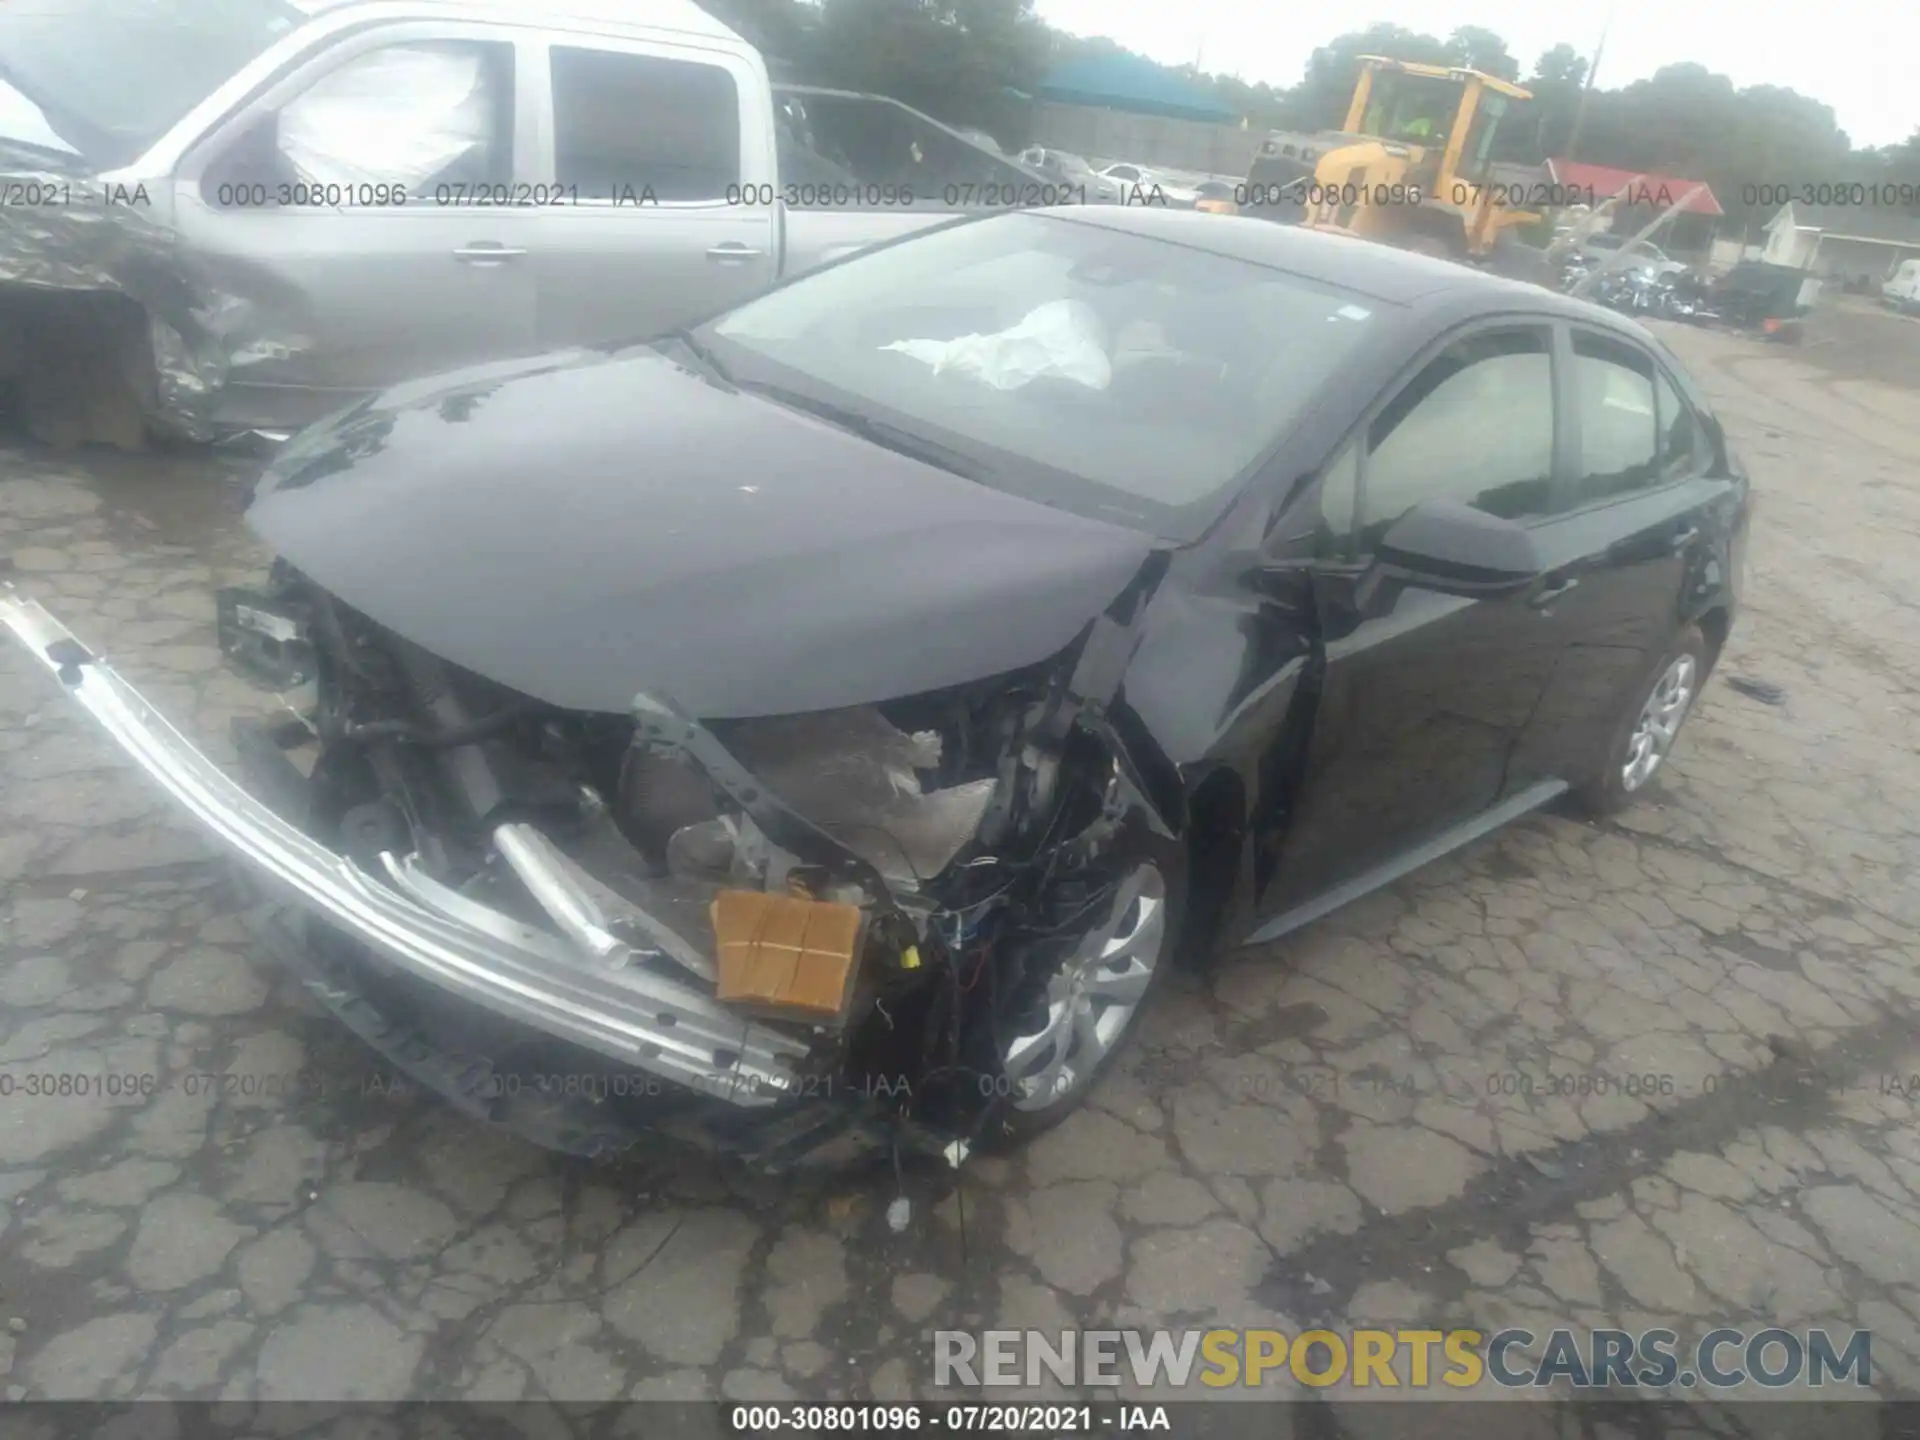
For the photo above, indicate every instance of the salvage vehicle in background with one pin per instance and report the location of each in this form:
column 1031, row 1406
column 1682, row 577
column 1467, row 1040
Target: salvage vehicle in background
column 1216, row 197
column 1642, row 256
column 825, row 727
column 1773, row 300
column 312, row 201
column 1074, row 170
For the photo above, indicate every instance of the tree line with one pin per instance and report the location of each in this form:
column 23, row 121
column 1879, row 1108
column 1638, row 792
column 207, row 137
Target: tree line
column 973, row 62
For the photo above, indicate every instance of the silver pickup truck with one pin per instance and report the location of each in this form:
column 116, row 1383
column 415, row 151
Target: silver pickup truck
column 302, row 201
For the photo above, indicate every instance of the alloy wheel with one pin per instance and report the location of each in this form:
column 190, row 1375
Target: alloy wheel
column 1653, row 734
column 1091, row 998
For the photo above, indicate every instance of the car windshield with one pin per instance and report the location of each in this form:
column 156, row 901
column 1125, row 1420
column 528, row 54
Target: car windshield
column 1107, row 373
column 113, row 76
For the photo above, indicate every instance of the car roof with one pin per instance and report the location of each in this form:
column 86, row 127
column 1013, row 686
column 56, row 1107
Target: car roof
column 1375, row 271
column 1379, row 271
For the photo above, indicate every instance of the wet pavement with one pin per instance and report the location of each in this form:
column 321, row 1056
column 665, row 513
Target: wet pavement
column 1658, row 1072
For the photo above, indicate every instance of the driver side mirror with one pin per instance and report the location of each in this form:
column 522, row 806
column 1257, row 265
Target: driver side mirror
column 1451, row 548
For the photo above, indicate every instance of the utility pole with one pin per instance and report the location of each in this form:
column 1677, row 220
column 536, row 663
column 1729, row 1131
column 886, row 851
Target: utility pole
column 1586, row 89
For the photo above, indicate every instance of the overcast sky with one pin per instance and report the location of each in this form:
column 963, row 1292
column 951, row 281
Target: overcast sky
column 1862, row 57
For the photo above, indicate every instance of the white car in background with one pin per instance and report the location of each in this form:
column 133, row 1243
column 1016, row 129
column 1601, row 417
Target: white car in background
column 1902, row 292
column 1139, row 184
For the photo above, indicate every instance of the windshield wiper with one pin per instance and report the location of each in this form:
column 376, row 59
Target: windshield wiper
column 890, row 437
column 711, row 363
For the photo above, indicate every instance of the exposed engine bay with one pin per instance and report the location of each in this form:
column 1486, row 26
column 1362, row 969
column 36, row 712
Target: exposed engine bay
column 886, row 892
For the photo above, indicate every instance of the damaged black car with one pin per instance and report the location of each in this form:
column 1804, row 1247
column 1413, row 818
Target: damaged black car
column 825, row 727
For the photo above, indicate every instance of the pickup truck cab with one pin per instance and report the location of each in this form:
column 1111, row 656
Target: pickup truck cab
column 361, row 192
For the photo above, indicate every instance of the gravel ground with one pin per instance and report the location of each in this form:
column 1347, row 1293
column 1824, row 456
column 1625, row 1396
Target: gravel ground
column 1333, row 1130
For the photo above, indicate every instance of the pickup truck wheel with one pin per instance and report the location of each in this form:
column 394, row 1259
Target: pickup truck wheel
column 1051, row 1055
column 1643, row 736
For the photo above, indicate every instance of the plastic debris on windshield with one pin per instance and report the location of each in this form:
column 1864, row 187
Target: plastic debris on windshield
column 1063, row 338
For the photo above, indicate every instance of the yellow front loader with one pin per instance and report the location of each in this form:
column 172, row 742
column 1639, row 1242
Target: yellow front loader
column 1412, row 166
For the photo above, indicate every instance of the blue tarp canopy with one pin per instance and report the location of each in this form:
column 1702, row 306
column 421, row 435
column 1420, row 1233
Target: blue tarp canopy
column 1134, row 84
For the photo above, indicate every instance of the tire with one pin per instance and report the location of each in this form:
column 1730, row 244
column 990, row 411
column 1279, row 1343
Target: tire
column 1019, row 1118
column 1683, row 665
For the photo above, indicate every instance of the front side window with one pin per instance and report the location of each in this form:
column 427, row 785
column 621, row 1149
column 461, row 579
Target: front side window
column 1475, row 426
column 1107, row 372
column 430, row 122
column 1619, row 434
column 1476, row 157
column 626, row 124
column 1683, row 445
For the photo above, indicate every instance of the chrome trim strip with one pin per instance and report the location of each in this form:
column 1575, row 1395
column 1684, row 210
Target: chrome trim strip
column 629, row 1015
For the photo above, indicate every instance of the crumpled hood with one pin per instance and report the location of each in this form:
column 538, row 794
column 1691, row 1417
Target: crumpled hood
column 584, row 527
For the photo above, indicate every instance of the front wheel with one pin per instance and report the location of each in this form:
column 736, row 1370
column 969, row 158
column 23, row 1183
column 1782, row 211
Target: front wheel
column 1090, row 1004
column 1643, row 737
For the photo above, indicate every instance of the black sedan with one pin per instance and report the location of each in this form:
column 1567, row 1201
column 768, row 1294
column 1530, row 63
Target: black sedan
column 832, row 722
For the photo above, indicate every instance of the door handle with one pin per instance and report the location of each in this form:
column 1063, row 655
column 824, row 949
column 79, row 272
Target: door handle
column 733, row 251
column 1682, row 539
column 1555, row 590
column 482, row 251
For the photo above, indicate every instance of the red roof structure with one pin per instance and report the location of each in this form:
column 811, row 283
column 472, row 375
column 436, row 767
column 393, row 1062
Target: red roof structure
column 1648, row 188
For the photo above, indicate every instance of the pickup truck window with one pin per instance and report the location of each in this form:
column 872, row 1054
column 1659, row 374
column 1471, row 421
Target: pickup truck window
column 625, row 122
column 883, row 143
column 1108, row 373
column 434, row 117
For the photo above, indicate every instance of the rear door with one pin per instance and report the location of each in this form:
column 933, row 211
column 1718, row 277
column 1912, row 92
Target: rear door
column 1633, row 529
column 661, row 155
column 352, row 210
column 1425, row 696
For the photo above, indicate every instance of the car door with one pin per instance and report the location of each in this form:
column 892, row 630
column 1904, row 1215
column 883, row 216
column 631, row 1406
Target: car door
column 350, row 212
column 1634, row 524
column 1424, row 695
column 662, row 155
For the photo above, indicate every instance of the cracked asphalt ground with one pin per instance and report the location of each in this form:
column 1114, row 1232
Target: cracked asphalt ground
column 1354, row 1127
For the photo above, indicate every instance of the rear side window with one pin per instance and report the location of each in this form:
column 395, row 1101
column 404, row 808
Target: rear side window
column 1683, row 446
column 891, row 151
column 1475, row 426
column 1619, row 430
column 625, row 124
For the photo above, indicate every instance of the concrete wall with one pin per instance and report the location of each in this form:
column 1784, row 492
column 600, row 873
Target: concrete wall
column 1149, row 140
column 1845, row 259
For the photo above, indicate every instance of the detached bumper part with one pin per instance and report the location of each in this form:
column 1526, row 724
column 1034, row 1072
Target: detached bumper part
column 644, row 1020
